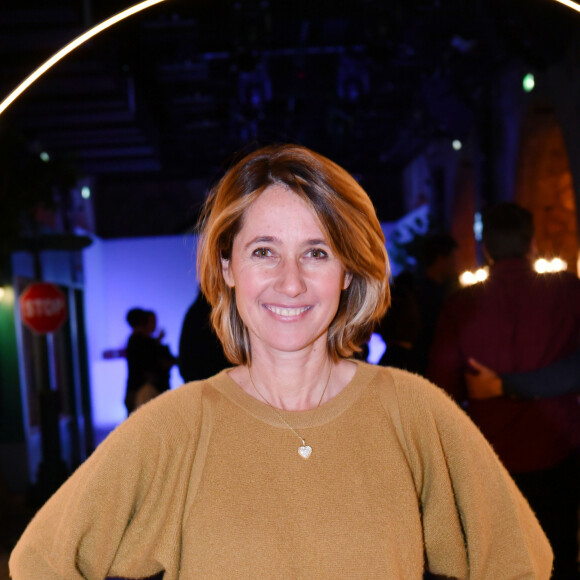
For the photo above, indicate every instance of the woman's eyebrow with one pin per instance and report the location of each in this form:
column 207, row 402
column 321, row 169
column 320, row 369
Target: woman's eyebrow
column 275, row 240
column 262, row 240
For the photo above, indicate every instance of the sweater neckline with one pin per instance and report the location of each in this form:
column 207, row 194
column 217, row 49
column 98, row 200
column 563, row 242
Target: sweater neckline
column 328, row 411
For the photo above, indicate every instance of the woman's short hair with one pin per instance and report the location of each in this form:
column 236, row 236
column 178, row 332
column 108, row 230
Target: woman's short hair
column 347, row 217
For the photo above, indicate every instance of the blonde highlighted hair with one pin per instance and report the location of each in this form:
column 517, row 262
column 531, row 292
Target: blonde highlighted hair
column 347, row 217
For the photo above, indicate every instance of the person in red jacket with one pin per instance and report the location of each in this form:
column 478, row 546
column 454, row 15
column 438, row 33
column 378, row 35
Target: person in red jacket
column 518, row 320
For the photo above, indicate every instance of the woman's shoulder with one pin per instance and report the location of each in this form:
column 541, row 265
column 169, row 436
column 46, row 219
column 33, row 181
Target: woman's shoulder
column 421, row 410
column 409, row 389
column 397, row 378
column 176, row 411
column 408, row 380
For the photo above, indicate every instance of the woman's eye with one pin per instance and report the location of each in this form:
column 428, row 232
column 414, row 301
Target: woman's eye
column 317, row 253
column 262, row 253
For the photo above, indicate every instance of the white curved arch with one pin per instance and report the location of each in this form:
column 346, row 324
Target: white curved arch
column 103, row 26
column 71, row 46
column 570, row 4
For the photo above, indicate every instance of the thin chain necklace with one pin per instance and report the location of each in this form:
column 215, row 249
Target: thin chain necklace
column 305, row 451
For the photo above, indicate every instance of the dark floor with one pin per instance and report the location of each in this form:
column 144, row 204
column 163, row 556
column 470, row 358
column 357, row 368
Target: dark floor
column 14, row 516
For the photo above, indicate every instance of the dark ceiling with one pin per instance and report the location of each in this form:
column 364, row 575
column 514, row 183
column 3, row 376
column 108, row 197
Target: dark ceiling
column 155, row 107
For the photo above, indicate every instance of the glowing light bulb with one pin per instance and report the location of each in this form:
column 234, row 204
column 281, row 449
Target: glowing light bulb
column 481, row 274
column 85, row 192
column 456, row 144
column 528, row 83
column 470, row 278
column 541, row 266
column 467, row 278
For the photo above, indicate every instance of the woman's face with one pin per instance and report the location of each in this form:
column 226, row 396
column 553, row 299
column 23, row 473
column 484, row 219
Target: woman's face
column 287, row 279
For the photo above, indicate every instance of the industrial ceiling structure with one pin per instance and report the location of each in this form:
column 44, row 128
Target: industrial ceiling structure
column 153, row 109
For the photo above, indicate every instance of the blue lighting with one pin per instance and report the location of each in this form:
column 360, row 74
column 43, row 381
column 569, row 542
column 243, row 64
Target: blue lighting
column 377, row 348
column 477, row 226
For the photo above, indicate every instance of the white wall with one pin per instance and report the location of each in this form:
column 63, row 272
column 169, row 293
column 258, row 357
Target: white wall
column 153, row 273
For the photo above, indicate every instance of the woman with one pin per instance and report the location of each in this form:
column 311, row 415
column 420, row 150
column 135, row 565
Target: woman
column 298, row 462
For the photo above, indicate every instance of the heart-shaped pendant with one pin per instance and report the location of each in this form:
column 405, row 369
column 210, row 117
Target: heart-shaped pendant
column 304, row 451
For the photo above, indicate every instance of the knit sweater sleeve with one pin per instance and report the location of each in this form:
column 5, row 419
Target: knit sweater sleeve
column 120, row 513
column 476, row 523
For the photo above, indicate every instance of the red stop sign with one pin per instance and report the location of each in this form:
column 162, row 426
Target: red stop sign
column 43, row 307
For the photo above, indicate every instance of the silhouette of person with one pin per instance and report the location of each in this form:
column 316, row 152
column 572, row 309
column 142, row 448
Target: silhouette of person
column 400, row 327
column 437, row 279
column 201, row 354
column 148, row 360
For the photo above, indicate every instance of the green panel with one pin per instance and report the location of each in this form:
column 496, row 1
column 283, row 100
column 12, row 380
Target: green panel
column 11, row 413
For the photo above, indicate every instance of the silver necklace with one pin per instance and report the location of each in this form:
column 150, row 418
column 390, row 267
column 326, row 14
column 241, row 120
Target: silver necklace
column 305, row 451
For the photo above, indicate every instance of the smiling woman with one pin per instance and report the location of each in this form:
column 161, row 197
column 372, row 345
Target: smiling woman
column 347, row 224
column 297, row 462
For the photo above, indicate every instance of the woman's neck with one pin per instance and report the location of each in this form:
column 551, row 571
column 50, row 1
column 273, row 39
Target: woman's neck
column 294, row 381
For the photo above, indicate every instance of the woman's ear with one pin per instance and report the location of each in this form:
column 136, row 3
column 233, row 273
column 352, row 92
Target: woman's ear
column 227, row 272
column 347, row 280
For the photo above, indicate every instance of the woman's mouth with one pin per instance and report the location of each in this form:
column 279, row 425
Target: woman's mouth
column 288, row 312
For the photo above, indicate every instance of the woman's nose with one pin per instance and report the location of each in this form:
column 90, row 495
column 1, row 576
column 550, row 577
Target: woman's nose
column 290, row 280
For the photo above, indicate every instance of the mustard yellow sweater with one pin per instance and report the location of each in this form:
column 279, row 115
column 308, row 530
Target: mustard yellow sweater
column 205, row 482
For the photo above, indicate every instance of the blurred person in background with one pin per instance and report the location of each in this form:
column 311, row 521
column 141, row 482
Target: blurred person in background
column 400, row 327
column 436, row 280
column 517, row 321
column 201, row 354
column 149, row 361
